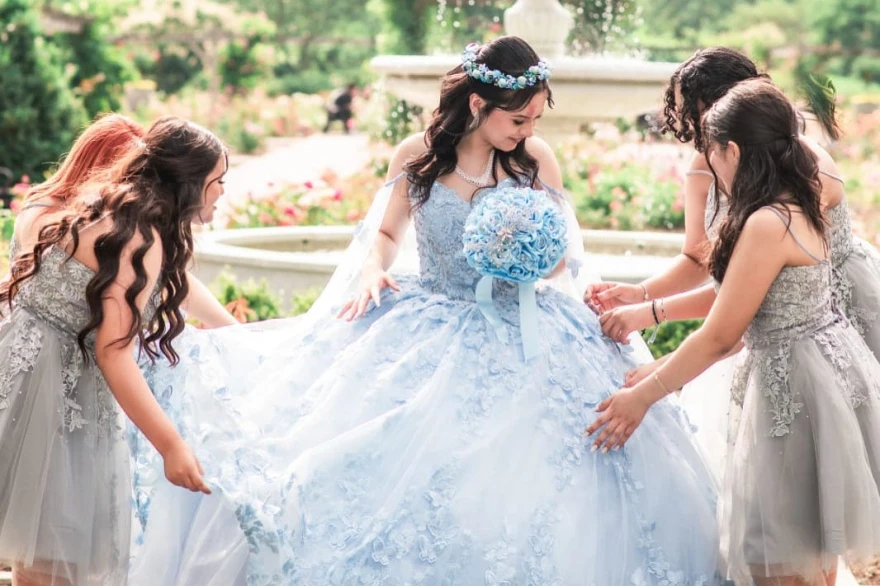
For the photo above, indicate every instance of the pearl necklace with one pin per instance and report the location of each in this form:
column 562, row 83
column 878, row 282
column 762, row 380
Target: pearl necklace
column 484, row 180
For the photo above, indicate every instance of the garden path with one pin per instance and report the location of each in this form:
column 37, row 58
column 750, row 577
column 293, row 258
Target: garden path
column 294, row 160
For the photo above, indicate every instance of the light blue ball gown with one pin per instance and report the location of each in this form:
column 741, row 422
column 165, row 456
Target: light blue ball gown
column 414, row 447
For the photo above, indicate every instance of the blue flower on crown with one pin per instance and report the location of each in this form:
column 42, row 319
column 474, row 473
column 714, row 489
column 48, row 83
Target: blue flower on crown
column 480, row 72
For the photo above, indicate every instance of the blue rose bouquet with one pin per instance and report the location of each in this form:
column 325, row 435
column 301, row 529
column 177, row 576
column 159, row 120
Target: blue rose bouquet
column 516, row 234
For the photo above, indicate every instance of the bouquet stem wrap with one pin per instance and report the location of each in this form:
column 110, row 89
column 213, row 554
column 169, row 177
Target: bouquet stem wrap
column 528, row 314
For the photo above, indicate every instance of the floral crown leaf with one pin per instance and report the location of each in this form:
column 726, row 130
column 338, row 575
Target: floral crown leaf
column 479, row 71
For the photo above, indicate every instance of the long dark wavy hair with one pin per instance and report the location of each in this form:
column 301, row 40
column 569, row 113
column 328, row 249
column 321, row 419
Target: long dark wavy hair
column 710, row 73
column 156, row 187
column 775, row 167
column 452, row 119
column 702, row 80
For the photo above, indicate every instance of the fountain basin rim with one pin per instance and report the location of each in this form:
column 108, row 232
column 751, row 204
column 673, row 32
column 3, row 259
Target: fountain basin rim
column 244, row 242
column 640, row 255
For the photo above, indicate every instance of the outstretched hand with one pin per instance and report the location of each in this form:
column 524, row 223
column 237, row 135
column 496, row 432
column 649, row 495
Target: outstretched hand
column 621, row 414
column 371, row 289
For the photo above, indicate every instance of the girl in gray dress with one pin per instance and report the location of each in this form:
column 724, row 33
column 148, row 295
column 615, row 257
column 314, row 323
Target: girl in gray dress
column 802, row 485
column 89, row 282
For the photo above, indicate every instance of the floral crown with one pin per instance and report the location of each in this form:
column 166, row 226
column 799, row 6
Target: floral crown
column 479, row 71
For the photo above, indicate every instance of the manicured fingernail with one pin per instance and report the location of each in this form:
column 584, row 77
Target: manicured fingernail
column 594, row 448
column 605, row 450
column 616, row 448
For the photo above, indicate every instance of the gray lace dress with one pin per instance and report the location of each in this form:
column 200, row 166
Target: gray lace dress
column 856, row 267
column 65, row 490
column 856, row 277
column 802, row 485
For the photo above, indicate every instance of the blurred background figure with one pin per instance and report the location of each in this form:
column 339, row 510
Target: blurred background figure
column 339, row 108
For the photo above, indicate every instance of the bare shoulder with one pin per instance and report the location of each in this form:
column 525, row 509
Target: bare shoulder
column 414, row 144
column 548, row 167
column 765, row 225
column 538, row 148
column 824, row 158
column 699, row 164
column 411, row 147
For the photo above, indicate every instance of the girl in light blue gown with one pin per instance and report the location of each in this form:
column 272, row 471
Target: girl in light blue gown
column 403, row 442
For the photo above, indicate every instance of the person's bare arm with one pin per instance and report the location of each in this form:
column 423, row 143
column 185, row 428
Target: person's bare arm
column 687, row 270
column 756, row 261
column 391, row 233
column 124, row 377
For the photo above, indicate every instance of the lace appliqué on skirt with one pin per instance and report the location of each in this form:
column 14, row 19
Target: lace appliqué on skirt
column 22, row 358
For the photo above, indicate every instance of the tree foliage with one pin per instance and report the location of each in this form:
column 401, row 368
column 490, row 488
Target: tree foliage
column 39, row 114
column 317, row 45
column 852, row 27
column 100, row 69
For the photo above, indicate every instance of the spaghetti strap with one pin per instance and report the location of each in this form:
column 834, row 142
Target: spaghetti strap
column 69, row 237
column 832, row 175
column 700, row 172
column 37, row 204
column 797, row 240
column 395, row 179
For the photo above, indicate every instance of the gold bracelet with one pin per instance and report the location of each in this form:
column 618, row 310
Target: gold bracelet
column 645, row 289
column 660, row 384
column 663, row 310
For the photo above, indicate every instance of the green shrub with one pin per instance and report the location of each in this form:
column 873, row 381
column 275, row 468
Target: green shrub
column 39, row 114
column 4, row 258
column 101, row 69
column 240, row 65
column 252, row 301
column 302, row 301
column 407, row 25
column 867, row 68
column 288, row 80
column 663, row 207
column 628, row 196
column 7, row 224
column 243, row 135
column 670, row 336
column 171, row 67
column 401, row 120
column 260, row 303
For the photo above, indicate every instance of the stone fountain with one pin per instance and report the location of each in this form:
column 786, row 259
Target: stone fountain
column 585, row 89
